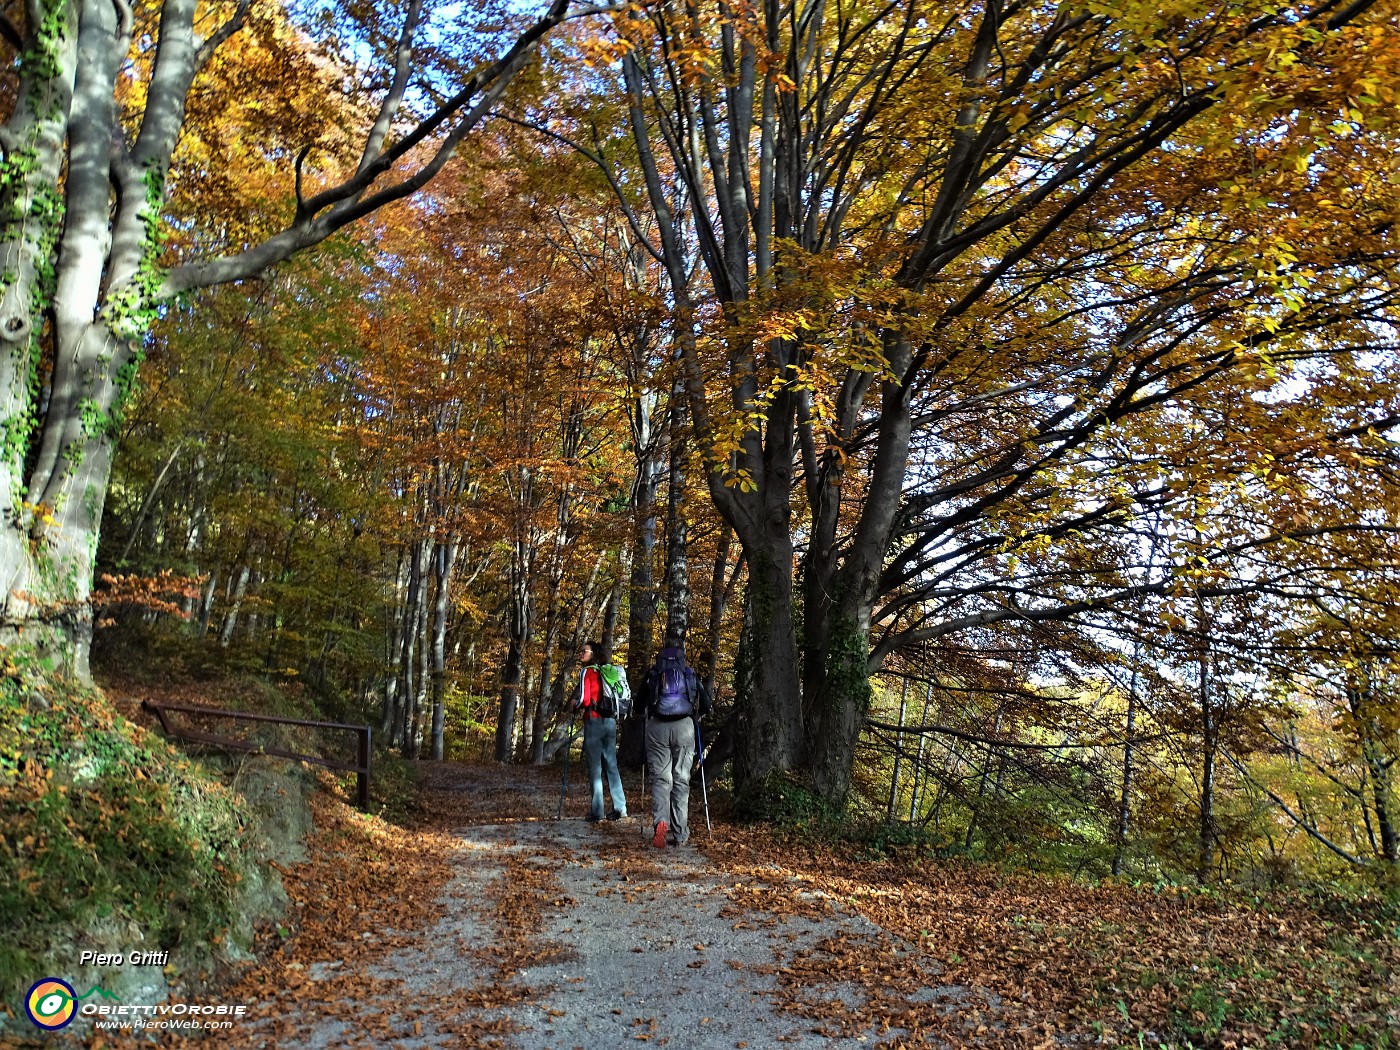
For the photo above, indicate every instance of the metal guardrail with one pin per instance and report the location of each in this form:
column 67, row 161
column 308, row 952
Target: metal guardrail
column 361, row 769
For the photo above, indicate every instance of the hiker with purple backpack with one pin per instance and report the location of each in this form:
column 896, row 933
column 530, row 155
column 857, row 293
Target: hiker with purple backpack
column 674, row 698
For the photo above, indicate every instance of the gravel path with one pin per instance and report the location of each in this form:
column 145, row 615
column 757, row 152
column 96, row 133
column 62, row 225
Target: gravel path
column 489, row 923
column 557, row 934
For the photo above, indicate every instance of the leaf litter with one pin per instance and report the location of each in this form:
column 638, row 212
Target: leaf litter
column 489, row 924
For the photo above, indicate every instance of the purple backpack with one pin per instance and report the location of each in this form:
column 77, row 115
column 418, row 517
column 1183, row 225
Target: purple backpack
column 673, row 685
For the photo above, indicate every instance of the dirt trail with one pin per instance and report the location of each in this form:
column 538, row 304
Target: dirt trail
column 492, row 924
column 559, row 934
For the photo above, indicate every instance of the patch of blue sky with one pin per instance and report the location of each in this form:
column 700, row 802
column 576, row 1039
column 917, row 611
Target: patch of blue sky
column 449, row 34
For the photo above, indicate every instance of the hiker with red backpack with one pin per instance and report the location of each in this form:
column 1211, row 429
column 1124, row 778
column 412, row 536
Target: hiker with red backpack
column 603, row 697
column 674, row 697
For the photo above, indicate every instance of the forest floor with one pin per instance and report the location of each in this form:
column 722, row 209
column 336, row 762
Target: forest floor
column 486, row 922
column 493, row 924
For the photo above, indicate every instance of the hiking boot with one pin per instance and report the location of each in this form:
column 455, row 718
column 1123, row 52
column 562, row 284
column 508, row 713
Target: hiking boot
column 616, row 814
column 659, row 838
column 592, row 818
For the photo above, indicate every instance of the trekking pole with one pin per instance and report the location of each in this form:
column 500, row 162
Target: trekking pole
column 704, row 791
column 564, row 786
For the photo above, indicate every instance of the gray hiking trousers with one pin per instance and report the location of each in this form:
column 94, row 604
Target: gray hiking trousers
column 670, row 756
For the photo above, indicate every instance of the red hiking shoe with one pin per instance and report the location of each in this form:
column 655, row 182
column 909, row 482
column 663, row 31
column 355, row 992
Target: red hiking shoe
column 659, row 839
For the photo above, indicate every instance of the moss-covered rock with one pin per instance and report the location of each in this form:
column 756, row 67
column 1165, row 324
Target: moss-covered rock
column 116, row 842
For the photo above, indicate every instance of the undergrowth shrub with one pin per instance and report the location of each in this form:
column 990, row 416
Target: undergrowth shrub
column 788, row 801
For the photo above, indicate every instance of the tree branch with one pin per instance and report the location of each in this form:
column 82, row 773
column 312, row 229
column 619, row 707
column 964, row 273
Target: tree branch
column 346, row 201
column 1299, row 821
column 973, row 738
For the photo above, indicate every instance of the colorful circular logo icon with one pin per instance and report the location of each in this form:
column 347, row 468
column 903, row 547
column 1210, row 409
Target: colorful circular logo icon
column 51, row 1003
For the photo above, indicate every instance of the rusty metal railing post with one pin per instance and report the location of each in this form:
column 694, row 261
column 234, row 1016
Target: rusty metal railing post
column 362, row 774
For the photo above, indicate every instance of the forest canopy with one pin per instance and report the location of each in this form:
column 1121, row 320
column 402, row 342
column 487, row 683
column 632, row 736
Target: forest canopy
column 999, row 398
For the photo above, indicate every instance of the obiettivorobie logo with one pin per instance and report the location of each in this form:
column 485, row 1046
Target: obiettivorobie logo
column 51, row 1003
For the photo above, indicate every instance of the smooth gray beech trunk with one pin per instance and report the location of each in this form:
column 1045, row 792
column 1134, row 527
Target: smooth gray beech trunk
column 444, row 562
column 898, row 753
column 677, row 536
column 392, row 724
column 722, row 583
column 444, row 566
column 82, row 192
column 410, row 646
column 641, row 585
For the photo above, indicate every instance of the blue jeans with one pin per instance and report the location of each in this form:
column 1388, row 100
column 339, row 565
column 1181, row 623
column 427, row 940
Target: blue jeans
column 600, row 749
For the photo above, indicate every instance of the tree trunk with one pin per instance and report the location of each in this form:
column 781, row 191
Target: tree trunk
column 48, row 545
column 30, row 225
column 240, row 588
column 721, row 584
column 838, row 602
column 444, row 561
column 393, row 700
column 1379, row 769
column 768, row 698
column 512, row 674
column 1383, row 797
column 526, row 712
column 677, row 562
column 422, row 698
column 409, row 682
column 541, row 752
column 537, row 716
column 1125, row 811
column 898, row 749
column 254, row 617
column 613, row 609
column 1205, row 860
column 43, row 586
column 83, row 185
column 839, row 712
column 642, row 596
column 206, row 604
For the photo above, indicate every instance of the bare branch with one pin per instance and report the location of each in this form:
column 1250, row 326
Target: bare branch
column 393, row 98
column 217, row 38
column 301, row 213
